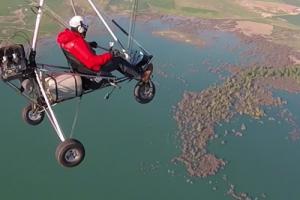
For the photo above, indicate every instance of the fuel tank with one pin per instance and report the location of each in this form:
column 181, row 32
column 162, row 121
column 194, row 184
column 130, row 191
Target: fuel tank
column 63, row 87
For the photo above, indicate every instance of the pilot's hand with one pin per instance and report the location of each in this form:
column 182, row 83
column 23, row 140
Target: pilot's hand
column 93, row 44
column 111, row 46
column 115, row 52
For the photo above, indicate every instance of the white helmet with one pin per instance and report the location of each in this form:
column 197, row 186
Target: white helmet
column 77, row 23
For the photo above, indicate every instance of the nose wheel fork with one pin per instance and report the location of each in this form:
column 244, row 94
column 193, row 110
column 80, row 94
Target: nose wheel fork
column 32, row 116
column 144, row 92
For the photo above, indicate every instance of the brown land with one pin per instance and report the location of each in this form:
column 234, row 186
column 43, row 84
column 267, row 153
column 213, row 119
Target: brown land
column 244, row 93
column 283, row 83
column 269, row 9
column 15, row 20
column 180, row 37
column 250, row 28
column 16, row 17
column 267, row 41
column 237, row 196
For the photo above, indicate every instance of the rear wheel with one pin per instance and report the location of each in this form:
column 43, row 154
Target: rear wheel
column 144, row 92
column 31, row 116
column 70, row 153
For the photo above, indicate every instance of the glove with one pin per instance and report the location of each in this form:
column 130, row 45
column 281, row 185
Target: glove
column 115, row 52
column 93, row 44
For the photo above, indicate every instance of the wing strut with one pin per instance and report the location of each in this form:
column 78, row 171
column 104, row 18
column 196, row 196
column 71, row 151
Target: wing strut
column 73, row 7
column 132, row 24
column 32, row 61
column 51, row 116
column 37, row 25
column 105, row 24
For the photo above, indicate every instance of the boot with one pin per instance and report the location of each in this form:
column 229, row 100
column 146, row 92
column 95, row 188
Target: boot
column 147, row 73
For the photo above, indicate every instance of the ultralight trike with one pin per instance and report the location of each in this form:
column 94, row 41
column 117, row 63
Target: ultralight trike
column 46, row 85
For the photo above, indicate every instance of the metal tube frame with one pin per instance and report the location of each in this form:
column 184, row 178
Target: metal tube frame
column 132, row 25
column 37, row 24
column 105, row 24
column 51, row 115
column 130, row 37
column 127, row 34
column 14, row 87
column 50, row 112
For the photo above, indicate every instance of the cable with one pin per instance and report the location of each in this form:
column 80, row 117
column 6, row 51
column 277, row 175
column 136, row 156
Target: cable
column 51, row 14
column 23, row 35
column 73, row 7
column 56, row 16
column 132, row 25
column 75, row 117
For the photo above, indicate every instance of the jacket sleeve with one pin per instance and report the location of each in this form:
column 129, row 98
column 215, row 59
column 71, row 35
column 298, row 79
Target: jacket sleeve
column 83, row 53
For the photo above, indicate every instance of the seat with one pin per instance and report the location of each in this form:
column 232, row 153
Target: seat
column 88, row 83
column 77, row 66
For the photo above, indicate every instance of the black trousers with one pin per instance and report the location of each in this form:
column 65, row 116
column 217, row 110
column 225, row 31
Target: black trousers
column 123, row 66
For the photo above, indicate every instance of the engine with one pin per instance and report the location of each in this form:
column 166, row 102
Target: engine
column 13, row 62
column 63, row 87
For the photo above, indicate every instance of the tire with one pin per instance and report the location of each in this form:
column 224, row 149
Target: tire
column 32, row 118
column 144, row 92
column 70, row 153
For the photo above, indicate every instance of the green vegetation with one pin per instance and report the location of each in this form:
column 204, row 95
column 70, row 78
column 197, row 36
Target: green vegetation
column 197, row 10
column 245, row 93
column 16, row 15
column 166, row 4
column 212, row 9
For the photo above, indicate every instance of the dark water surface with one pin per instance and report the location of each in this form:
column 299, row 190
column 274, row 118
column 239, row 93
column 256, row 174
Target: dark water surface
column 130, row 146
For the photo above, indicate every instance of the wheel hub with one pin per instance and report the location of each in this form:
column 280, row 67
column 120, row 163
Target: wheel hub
column 147, row 91
column 34, row 116
column 72, row 155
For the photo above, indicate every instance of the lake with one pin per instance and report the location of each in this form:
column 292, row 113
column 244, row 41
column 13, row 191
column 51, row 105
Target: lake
column 293, row 19
column 129, row 146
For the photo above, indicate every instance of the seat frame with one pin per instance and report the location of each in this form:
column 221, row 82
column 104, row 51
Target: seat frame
column 89, row 77
column 77, row 66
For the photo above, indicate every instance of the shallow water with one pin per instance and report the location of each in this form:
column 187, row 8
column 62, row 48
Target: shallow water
column 293, row 2
column 293, row 19
column 130, row 146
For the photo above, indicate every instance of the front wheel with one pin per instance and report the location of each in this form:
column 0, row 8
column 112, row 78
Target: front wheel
column 144, row 92
column 31, row 116
column 70, row 153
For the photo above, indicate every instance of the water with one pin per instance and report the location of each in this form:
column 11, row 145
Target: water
column 130, row 146
column 293, row 2
column 293, row 19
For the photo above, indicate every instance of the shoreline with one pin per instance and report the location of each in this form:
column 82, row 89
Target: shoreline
column 185, row 29
column 197, row 160
column 263, row 41
column 194, row 154
column 246, row 93
column 278, row 70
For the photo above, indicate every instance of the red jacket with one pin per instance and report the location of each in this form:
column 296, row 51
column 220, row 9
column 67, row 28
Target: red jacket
column 75, row 44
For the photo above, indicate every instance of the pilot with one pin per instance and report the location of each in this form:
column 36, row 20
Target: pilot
column 73, row 41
